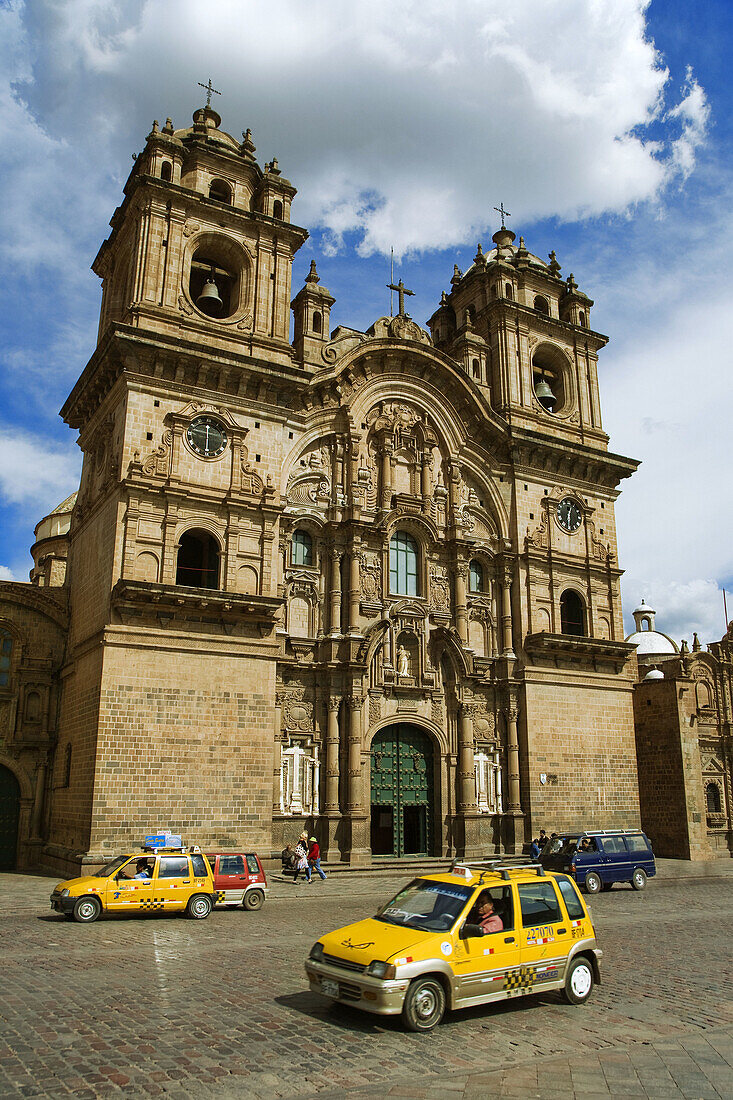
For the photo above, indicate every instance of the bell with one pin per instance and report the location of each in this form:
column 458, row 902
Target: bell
column 208, row 300
column 545, row 396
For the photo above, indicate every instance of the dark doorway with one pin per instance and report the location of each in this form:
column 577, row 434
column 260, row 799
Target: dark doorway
column 9, row 813
column 402, row 795
column 198, row 560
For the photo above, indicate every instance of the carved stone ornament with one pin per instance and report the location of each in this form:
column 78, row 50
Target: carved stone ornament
column 310, row 483
column 246, row 322
column 404, row 328
column 298, row 715
column 250, row 481
column 157, row 464
column 340, row 345
column 183, row 306
column 190, row 228
column 370, row 577
column 439, row 588
column 375, row 709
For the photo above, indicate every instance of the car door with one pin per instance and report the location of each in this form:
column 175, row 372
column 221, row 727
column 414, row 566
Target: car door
column 124, row 891
column 231, row 878
column 545, row 935
column 483, row 963
column 172, row 886
column 617, row 866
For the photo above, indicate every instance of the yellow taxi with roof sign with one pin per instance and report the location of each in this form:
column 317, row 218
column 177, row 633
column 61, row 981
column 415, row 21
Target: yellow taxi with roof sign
column 483, row 932
column 166, row 879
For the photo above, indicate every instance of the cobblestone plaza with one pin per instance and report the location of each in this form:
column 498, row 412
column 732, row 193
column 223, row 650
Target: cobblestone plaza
column 161, row 1006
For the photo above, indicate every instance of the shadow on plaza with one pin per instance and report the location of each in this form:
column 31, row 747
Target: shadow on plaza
column 365, row 1023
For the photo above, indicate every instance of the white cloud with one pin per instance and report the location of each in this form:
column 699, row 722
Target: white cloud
column 401, row 121
column 34, row 474
column 6, row 574
column 683, row 607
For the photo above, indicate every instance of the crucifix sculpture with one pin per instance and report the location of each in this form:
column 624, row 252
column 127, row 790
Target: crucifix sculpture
column 208, row 88
column 402, row 291
column 504, row 213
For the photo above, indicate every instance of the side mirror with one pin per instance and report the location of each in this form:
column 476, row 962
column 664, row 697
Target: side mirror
column 470, row 931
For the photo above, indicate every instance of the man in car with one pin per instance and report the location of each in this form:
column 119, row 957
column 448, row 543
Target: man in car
column 142, row 870
column 488, row 919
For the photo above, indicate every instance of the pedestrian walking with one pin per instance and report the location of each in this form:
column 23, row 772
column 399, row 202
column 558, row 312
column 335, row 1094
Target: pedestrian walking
column 301, row 858
column 314, row 858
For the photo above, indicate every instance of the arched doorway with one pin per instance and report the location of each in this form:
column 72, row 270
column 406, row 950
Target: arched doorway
column 402, row 801
column 9, row 812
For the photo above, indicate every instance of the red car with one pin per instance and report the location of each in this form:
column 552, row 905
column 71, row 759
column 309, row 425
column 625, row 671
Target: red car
column 239, row 879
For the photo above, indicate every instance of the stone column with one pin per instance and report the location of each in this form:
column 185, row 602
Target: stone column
column 386, row 474
column 332, row 756
column 506, row 611
column 276, row 756
column 354, row 586
column 461, row 606
column 354, row 801
column 466, row 772
column 426, row 487
column 512, row 741
column 335, row 593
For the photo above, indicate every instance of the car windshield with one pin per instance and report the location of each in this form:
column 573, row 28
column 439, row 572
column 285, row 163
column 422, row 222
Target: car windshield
column 430, row 906
column 111, row 867
column 562, row 846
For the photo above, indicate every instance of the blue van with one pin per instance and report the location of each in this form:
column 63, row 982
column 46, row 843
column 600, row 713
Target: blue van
column 596, row 858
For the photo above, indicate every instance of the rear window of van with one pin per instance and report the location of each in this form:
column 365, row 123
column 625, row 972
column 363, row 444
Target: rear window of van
column 637, row 844
column 613, row 844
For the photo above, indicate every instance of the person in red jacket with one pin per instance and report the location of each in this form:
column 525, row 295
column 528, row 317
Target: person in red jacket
column 314, row 858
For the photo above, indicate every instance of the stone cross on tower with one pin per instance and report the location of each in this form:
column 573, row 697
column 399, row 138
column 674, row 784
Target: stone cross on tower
column 504, row 213
column 402, row 291
column 208, row 88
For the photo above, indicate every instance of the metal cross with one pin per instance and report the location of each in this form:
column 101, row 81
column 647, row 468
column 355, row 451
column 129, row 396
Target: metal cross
column 402, row 291
column 504, row 213
column 208, row 88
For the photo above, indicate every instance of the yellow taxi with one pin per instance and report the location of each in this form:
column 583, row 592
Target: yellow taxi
column 150, row 880
column 482, row 932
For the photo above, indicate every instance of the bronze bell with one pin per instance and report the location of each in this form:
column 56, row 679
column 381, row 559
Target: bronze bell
column 208, row 300
column 545, row 396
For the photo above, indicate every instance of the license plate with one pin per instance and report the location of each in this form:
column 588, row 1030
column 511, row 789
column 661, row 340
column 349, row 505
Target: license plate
column 329, row 988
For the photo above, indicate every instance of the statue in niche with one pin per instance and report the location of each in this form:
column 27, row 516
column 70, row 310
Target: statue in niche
column 403, row 661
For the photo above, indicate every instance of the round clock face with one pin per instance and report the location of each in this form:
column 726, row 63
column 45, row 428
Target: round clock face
column 206, row 437
column 569, row 515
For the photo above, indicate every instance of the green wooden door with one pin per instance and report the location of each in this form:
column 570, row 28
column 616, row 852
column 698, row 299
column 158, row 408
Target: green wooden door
column 9, row 810
column 402, row 791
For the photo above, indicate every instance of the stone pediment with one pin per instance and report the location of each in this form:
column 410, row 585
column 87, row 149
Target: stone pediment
column 401, row 327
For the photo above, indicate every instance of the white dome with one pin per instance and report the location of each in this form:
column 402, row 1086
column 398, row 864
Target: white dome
column 651, row 641
column 654, row 674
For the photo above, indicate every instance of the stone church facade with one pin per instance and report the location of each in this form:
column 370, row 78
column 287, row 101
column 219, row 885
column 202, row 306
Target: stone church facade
column 364, row 583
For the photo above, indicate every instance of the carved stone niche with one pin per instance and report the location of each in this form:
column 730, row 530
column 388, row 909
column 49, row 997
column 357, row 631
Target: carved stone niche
column 309, row 483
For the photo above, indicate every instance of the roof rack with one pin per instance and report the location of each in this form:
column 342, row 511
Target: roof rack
column 604, row 832
column 501, row 865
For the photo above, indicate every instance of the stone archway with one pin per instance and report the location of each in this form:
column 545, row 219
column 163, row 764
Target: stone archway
column 402, row 791
column 9, row 817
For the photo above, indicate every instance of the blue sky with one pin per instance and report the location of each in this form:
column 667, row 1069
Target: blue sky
column 603, row 126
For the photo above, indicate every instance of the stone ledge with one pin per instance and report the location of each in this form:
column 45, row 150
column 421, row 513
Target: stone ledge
column 151, row 595
column 571, row 649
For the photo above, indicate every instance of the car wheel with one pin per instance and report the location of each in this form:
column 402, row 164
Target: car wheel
column 593, row 883
column 638, row 879
column 424, row 1005
column 253, row 899
column 199, row 907
column 579, row 981
column 87, row 910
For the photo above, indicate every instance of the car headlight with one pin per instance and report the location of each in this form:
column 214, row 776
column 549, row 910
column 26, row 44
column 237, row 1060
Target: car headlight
column 65, row 892
column 316, row 952
column 378, row 969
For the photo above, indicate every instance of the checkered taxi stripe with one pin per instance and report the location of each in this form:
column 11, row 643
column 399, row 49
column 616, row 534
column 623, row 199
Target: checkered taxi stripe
column 220, row 897
column 523, row 978
column 151, row 903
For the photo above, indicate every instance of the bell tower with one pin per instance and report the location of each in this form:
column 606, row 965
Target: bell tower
column 181, row 412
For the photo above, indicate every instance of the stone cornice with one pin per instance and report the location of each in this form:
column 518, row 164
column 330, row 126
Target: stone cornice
column 175, row 599
column 54, row 607
column 560, row 650
column 532, row 451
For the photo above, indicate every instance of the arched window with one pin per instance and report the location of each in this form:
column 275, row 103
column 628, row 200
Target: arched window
column 541, row 304
column 198, row 560
column 713, row 801
column 403, row 564
column 166, row 171
column 277, row 209
column 6, row 652
column 220, row 191
column 318, row 322
column 508, row 292
column 549, row 369
column 475, row 576
column 572, row 614
column 302, row 548
column 583, row 319
column 476, row 368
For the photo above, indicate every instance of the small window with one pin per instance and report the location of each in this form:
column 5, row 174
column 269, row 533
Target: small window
column 572, row 614
column 713, row 801
column 317, row 322
column 583, row 319
column 571, row 897
column 539, row 904
column 173, row 867
column 403, row 564
column 252, row 865
column 476, row 368
column 166, row 171
column 6, row 651
column 613, row 845
column 199, row 865
column 302, row 548
column 220, row 191
column 277, row 209
column 231, row 865
column 541, row 304
column 476, row 577
column 508, row 292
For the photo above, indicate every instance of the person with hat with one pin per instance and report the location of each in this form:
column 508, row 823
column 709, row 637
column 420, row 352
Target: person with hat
column 314, row 859
column 301, row 858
